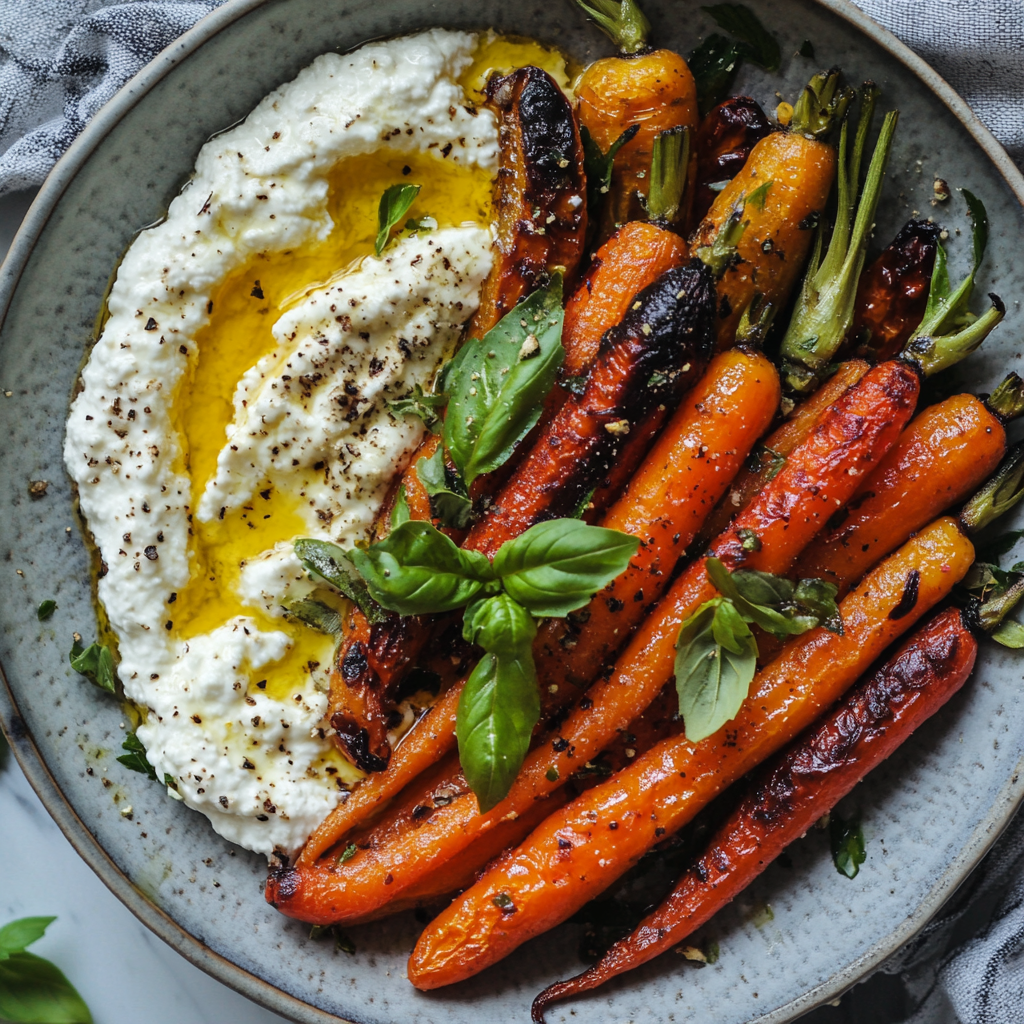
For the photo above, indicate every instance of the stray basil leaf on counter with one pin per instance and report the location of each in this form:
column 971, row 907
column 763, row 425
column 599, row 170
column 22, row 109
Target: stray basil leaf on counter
column 498, row 709
column 317, row 615
column 45, row 610
column 332, row 564
column 394, row 205
column 96, row 663
column 33, row 990
column 756, row 42
column 716, row 658
column 135, row 758
column 806, row 49
column 498, row 383
column 417, row 570
column 556, row 567
column 847, row 842
column 423, row 404
column 449, row 502
column 1010, row 634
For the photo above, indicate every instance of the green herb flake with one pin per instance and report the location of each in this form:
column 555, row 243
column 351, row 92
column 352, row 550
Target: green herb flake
column 762, row 914
column 806, row 49
column 33, row 990
column 1009, row 634
column 757, row 44
column 712, row 952
column 425, row 405
column 394, row 205
column 759, row 196
column 714, row 63
column 135, row 757
column 45, row 610
column 846, row 838
column 348, row 853
column 503, row 901
column 749, row 540
column 551, row 774
column 343, row 943
column 332, row 564
column 95, row 662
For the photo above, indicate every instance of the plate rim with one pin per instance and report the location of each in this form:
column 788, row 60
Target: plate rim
column 29, row 758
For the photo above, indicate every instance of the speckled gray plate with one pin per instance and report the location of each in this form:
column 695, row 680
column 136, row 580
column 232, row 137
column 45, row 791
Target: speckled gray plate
column 930, row 812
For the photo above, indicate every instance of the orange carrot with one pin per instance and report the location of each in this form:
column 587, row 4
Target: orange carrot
column 859, row 430
column 579, row 851
column 802, row 784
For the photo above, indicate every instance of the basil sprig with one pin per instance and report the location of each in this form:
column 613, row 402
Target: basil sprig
column 33, row 989
column 394, row 205
column 716, row 654
column 550, row 570
column 497, row 384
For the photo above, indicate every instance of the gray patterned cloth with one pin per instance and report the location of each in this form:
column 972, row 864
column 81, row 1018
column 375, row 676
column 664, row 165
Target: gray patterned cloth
column 60, row 60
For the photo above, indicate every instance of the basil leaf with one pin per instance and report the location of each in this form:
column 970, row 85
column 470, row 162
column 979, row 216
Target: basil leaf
column 497, row 384
column 758, row 44
column 1009, row 634
column 45, row 610
column 326, row 561
column 316, row 615
column 716, row 657
column 556, row 567
column 417, row 570
column 449, row 502
column 498, row 709
column 847, row 841
column 499, row 625
column 422, row 404
column 985, row 577
column 34, row 990
column 597, row 166
column 998, row 546
column 394, row 205
column 18, row 935
column 819, row 598
column 806, row 49
column 135, row 758
column 714, row 64
column 96, row 663
column 400, row 513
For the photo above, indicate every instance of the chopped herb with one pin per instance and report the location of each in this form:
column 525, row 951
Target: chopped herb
column 712, row 952
column 135, row 757
column 847, row 840
column 348, row 853
column 45, row 610
column 806, row 49
column 757, row 43
column 749, row 540
column 577, row 385
column 422, row 404
column 503, row 901
column 551, row 774
column 394, row 205
column 96, row 663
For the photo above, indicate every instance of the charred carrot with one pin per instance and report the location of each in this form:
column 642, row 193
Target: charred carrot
column 801, row 784
column 706, row 441
column 941, row 458
column 779, row 194
column 651, row 89
column 539, row 207
column 578, row 851
column 633, row 258
column 893, row 291
column 723, row 143
column 651, row 357
column 858, row 431
column 770, row 456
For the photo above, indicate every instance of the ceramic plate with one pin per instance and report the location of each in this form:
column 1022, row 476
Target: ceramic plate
column 929, row 813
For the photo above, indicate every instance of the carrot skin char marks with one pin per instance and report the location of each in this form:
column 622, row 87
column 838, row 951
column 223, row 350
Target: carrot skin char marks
column 775, row 244
column 665, row 335
column 893, row 291
column 725, row 413
column 541, row 225
column 723, row 142
column 574, row 855
column 943, row 456
column 539, row 194
column 858, row 431
column 656, row 91
column 798, row 787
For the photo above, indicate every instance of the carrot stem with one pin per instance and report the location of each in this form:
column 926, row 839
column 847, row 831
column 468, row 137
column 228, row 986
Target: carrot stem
column 621, row 21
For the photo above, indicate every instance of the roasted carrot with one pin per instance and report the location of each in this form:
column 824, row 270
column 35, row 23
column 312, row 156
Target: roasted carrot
column 651, row 357
column 578, row 851
column 780, row 193
column 723, row 143
column 702, row 447
column 652, row 89
column 633, row 258
column 858, row 431
column 539, row 208
column 941, row 458
column 893, row 291
column 798, row 787
column 769, row 457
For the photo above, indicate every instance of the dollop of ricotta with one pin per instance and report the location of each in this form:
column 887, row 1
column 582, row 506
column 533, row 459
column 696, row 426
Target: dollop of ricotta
column 309, row 419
